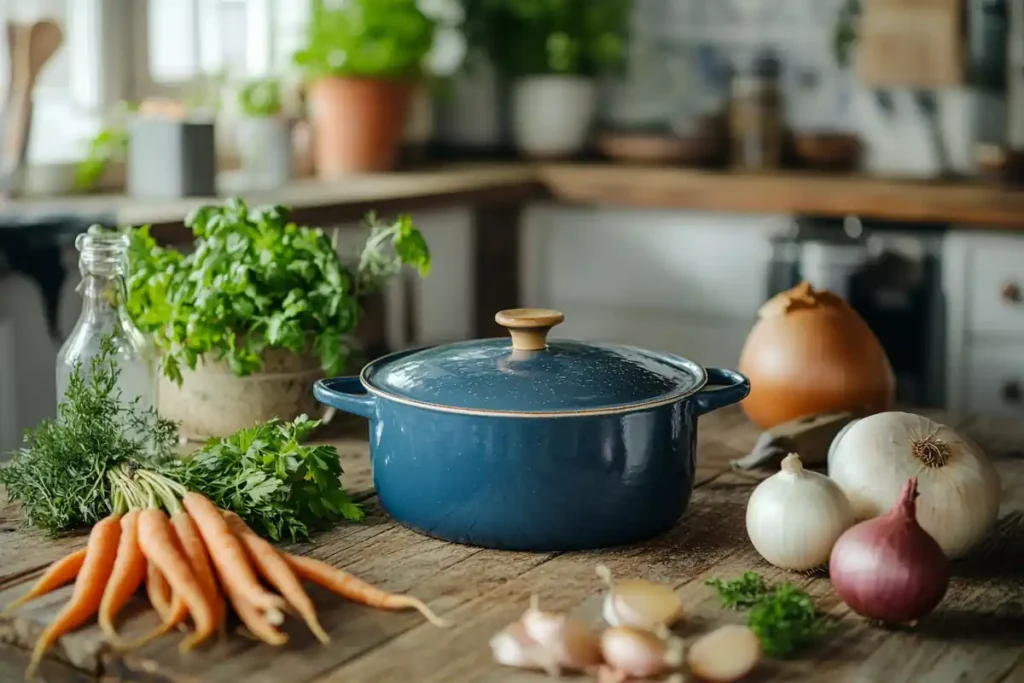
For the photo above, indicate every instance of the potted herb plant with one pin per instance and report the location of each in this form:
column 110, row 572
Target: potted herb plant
column 363, row 60
column 471, row 119
column 264, row 132
column 555, row 50
column 256, row 312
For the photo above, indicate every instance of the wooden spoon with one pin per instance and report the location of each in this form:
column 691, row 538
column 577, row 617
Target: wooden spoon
column 31, row 46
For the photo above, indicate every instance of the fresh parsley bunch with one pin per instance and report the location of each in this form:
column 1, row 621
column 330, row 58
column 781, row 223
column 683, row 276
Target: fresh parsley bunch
column 256, row 280
column 264, row 474
column 783, row 617
column 76, row 470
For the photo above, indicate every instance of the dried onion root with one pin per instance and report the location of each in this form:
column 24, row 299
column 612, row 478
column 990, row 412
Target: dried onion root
column 639, row 603
column 726, row 654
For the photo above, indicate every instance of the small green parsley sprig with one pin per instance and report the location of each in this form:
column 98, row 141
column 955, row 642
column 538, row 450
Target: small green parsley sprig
column 783, row 617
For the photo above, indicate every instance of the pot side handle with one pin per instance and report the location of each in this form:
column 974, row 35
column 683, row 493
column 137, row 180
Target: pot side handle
column 346, row 394
column 734, row 388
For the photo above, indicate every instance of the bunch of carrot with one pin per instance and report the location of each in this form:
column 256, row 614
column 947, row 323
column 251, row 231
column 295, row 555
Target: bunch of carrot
column 193, row 563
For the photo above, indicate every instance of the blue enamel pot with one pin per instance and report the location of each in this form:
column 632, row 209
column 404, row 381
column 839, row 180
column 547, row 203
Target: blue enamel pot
column 534, row 444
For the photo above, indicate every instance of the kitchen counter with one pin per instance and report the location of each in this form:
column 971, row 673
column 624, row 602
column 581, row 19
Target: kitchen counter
column 312, row 200
column 976, row 634
column 966, row 203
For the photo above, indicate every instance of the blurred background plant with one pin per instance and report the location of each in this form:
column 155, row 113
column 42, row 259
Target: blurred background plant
column 546, row 37
column 260, row 98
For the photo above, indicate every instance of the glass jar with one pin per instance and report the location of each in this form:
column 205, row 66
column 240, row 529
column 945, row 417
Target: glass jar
column 756, row 116
column 103, row 262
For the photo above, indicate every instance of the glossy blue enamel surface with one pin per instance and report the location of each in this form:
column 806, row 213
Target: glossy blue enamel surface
column 489, row 375
column 534, row 483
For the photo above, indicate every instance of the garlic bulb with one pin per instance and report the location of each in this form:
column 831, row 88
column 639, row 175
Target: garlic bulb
column 795, row 516
column 959, row 487
column 639, row 603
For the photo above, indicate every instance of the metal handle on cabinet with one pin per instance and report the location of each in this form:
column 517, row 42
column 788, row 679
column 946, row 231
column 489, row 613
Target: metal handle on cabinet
column 1012, row 392
column 1012, row 293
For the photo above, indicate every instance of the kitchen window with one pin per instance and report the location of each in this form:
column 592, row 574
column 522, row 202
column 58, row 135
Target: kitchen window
column 70, row 88
column 181, row 42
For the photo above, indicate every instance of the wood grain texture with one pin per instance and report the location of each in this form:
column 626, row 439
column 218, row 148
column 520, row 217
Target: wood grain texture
column 786, row 193
column 601, row 184
column 977, row 634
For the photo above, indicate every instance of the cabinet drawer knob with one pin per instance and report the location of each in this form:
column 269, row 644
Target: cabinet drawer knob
column 1012, row 293
column 1012, row 392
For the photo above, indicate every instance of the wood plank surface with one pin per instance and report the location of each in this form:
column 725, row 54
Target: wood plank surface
column 966, row 203
column 977, row 634
column 833, row 195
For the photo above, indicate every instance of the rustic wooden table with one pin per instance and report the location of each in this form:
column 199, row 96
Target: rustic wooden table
column 976, row 635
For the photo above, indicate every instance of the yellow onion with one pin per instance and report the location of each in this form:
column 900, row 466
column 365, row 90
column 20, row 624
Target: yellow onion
column 810, row 352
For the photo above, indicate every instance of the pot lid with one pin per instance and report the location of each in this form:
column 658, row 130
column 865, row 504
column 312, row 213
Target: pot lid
column 528, row 373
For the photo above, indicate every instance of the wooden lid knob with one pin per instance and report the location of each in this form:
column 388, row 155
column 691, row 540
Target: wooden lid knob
column 528, row 327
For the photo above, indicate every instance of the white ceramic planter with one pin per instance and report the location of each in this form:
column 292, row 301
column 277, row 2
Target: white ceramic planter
column 266, row 151
column 552, row 115
column 470, row 116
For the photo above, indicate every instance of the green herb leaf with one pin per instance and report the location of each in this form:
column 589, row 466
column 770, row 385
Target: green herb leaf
column 783, row 617
column 281, row 488
column 261, row 98
column 740, row 593
column 785, row 621
column 60, row 476
column 381, row 39
column 256, row 280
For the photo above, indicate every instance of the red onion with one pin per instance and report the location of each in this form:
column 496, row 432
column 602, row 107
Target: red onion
column 889, row 568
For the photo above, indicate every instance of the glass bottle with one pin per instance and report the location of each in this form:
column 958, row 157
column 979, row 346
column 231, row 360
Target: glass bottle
column 756, row 112
column 103, row 262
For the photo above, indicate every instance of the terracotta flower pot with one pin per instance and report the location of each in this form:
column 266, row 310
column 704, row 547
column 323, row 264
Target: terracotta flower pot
column 358, row 123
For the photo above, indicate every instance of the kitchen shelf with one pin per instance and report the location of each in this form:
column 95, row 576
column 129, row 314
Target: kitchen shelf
column 966, row 204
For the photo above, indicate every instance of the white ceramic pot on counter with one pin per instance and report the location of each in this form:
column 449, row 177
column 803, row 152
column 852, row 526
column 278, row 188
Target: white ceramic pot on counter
column 552, row 115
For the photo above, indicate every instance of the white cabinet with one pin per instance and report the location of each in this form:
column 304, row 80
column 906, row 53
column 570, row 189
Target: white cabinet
column 683, row 282
column 984, row 288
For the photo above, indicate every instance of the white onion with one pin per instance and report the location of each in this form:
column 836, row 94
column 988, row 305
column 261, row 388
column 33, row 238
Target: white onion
column 874, row 458
column 795, row 516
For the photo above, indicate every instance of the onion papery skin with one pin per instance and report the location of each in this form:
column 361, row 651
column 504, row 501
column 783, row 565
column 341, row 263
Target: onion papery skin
column 810, row 352
column 959, row 504
column 889, row 569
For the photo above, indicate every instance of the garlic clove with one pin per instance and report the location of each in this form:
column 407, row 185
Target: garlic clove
column 512, row 646
column 640, row 653
column 635, row 602
column 571, row 644
column 726, row 654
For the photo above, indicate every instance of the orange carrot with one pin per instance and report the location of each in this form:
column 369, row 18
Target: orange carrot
column 158, row 592
column 195, row 550
column 159, row 545
column 276, row 571
column 92, row 579
column 62, row 571
column 230, row 558
column 253, row 619
column 342, row 583
column 127, row 575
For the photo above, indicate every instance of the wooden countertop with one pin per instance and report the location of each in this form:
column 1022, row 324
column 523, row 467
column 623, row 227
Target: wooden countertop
column 967, row 204
column 348, row 198
column 787, row 192
column 976, row 634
